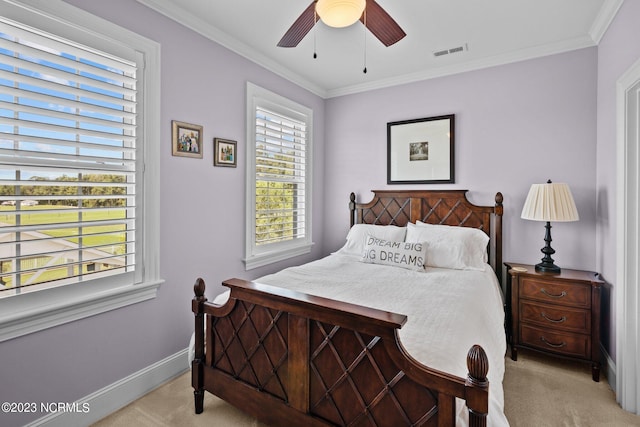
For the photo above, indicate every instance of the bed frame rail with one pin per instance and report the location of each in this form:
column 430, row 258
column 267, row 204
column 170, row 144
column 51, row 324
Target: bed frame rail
column 288, row 358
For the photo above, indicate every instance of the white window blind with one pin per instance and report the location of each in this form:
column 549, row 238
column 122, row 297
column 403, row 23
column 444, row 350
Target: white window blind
column 280, row 177
column 67, row 161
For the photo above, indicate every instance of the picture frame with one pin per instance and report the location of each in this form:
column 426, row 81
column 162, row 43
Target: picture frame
column 186, row 140
column 421, row 151
column 225, row 153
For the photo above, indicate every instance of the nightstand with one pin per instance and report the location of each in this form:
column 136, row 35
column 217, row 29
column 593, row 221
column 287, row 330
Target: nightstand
column 555, row 313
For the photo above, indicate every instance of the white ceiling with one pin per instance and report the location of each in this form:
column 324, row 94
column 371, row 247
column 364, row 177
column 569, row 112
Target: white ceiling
column 492, row 31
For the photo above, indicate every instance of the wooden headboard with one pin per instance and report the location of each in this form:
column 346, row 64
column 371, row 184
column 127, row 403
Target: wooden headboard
column 446, row 207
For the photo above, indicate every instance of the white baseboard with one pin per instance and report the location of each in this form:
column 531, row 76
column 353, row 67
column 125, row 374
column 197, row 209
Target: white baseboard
column 608, row 368
column 103, row 402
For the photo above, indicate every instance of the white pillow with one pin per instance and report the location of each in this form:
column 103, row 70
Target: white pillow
column 460, row 248
column 395, row 253
column 358, row 233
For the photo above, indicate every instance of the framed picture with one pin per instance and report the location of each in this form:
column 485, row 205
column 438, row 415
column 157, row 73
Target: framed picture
column 420, row 151
column 224, row 153
column 186, row 139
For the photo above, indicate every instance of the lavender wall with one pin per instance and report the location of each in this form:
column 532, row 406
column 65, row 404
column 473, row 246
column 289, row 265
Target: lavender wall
column 202, row 226
column 516, row 124
column 617, row 52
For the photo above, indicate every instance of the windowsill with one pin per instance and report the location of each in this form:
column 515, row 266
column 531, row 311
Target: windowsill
column 48, row 308
column 263, row 259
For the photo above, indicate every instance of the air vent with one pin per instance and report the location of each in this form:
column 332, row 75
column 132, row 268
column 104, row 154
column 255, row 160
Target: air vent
column 449, row 51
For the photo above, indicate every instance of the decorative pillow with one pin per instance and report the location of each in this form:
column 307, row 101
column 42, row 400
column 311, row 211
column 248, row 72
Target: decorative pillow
column 460, row 248
column 358, row 233
column 395, row 253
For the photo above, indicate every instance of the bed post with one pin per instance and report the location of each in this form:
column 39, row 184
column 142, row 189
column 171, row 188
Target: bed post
column 477, row 386
column 352, row 209
column 499, row 210
column 197, row 371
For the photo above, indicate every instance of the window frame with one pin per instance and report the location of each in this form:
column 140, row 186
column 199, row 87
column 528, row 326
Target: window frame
column 41, row 309
column 258, row 256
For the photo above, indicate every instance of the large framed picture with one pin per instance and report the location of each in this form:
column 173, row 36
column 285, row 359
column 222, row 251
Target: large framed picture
column 186, row 139
column 224, row 153
column 421, row 151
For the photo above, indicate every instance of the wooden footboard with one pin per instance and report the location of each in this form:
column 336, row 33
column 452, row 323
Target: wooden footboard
column 289, row 358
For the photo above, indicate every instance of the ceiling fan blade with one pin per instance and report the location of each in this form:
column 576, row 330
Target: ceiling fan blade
column 300, row 28
column 381, row 24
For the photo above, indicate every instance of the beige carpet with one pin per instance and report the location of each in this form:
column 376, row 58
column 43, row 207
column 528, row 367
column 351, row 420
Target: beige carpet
column 539, row 391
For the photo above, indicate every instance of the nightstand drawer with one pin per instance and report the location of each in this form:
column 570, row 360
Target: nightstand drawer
column 556, row 317
column 566, row 343
column 564, row 293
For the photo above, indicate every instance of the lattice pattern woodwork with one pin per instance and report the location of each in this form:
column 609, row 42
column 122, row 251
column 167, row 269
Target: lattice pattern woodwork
column 251, row 345
column 446, row 208
column 385, row 211
column 354, row 383
column 452, row 212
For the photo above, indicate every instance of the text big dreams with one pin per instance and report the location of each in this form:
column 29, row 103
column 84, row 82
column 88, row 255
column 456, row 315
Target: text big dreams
column 383, row 250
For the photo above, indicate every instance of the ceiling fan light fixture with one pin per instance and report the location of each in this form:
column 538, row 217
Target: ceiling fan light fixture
column 340, row 13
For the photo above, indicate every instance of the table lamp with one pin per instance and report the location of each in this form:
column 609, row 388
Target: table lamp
column 549, row 202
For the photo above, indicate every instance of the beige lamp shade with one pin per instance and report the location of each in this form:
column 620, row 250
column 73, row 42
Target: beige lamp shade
column 550, row 202
column 340, row 13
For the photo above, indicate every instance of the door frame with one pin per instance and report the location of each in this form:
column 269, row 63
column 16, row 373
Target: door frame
column 627, row 272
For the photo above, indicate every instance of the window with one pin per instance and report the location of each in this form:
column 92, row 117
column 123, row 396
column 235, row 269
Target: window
column 278, row 178
column 67, row 162
column 75, row 215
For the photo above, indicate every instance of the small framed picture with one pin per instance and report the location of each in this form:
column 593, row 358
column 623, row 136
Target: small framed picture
column 224, row 153
column 421, row 151
column 186, row 139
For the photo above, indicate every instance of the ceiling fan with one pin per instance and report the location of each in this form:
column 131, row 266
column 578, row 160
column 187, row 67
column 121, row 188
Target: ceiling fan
column 332, row 13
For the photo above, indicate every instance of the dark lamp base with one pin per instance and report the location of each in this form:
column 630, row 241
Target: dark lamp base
column 545, row 267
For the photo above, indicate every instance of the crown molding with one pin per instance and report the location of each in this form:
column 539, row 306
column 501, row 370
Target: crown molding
column 502, row 59
column 605, row 16
column 173, row 11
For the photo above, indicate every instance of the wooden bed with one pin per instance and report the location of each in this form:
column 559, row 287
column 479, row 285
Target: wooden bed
column 263, row 347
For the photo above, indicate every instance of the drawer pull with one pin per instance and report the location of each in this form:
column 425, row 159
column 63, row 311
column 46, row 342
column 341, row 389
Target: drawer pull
column 550, row 344
column 562, row 294
column 561, row 320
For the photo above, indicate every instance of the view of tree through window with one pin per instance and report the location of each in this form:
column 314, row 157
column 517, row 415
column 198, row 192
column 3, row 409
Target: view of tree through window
column 67, row 161
column 279, row 161
column 280, row 178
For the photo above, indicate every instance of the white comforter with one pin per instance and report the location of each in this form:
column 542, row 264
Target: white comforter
column 447, row 311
